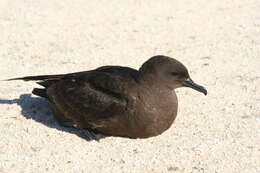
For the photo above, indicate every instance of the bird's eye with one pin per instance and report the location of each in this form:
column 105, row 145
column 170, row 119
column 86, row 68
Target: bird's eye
column 175, row 73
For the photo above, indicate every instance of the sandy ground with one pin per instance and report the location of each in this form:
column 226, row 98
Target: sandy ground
column 218, row 40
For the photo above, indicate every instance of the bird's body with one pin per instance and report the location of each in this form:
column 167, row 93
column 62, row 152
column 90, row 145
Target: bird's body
column 115, row 100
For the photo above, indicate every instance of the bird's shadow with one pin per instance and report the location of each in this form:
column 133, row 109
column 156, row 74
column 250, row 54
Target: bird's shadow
column 39, row 110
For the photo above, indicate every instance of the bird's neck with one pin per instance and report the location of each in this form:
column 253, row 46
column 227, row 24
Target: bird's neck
column 147, row 73
column 149, row 76
column 151, row 81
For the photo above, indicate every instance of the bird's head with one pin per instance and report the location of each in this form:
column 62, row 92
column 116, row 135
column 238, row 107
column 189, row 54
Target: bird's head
column 169, row 72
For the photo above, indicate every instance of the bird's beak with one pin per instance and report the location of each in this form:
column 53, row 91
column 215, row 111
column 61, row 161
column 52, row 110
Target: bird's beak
column 189, row 83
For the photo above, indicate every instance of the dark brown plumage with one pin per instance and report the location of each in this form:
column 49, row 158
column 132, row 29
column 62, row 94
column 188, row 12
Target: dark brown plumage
column 116, row 100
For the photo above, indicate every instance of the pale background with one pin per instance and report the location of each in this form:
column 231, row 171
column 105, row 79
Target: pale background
column 218, row 40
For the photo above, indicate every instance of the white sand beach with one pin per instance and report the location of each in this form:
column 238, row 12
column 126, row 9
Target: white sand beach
column 218, row 40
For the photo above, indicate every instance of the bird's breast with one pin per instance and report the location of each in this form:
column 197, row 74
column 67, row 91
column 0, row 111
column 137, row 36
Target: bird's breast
column 154, row 112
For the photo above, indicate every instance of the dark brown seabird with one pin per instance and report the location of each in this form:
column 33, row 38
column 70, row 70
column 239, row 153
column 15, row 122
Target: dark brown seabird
column 118, row 101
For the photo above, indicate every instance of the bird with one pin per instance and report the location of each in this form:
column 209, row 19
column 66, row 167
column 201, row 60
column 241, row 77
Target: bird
column 117, row 100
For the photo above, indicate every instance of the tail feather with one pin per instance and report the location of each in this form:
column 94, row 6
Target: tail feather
column 47, row 77
column 43, row 80
column 47, row 83
column 40, row 92
column 41, row 77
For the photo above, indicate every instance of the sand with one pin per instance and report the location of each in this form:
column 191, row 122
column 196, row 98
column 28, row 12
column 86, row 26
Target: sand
column 218, row 40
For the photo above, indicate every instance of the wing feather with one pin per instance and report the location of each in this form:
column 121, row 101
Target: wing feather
column 91, row 96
